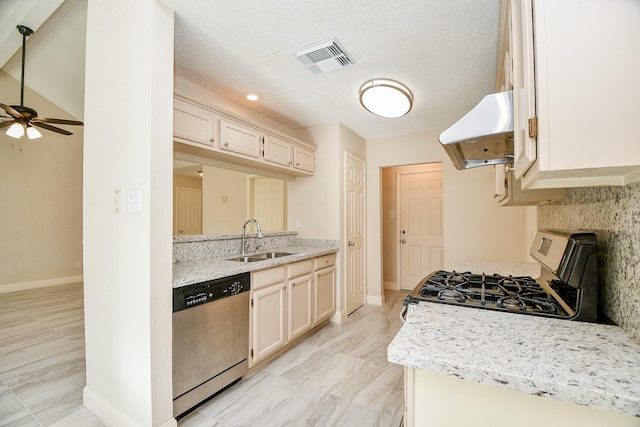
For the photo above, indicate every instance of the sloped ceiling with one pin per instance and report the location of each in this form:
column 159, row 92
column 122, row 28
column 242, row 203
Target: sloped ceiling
column 445, row 51
column 54, row 65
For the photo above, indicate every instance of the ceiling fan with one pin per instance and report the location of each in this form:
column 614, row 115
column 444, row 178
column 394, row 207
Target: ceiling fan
column 25, row 118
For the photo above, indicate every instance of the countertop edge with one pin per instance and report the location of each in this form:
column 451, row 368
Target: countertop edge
column 203, row 269
column 415, row 347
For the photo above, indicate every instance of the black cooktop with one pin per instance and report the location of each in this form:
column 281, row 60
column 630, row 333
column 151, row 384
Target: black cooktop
column 519, row 294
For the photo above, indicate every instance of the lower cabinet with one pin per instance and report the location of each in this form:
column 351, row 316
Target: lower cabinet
column 324, row 288
column 288, row 301
column 299, row 299
column 267, row 313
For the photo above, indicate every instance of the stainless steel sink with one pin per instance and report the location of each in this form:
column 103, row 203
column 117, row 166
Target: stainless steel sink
column 260, row 257
column 271, row 255
column 248, row 258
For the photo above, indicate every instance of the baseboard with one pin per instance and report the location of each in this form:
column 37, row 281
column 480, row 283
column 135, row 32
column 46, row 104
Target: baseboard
column 375, row 300
column 393, row 286
column 25, row 286
column 339, row 316
column 111, row 415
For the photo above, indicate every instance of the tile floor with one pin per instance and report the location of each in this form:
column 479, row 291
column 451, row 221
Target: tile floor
column 338, row 376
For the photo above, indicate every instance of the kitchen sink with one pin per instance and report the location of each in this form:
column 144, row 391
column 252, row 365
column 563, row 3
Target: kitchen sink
column 260, row 257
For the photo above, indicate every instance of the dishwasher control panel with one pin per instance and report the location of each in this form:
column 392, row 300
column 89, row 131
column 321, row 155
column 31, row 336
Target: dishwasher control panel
column 202, row 293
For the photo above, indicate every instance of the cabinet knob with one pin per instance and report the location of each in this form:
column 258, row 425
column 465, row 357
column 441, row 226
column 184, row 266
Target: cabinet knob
column 212, row 139
column 226, row 144
column 403, row 241
column 350, row 243
column 298, row 164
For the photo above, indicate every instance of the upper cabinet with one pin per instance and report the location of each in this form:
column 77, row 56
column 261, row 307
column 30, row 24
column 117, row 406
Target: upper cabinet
column 194, row 125
column 510, row 193
column 278, row 150
column 573, row 65
column 239, row 138
column 204, row 132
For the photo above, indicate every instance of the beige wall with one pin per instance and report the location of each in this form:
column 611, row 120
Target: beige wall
column 472, row 220
column 41, row 188
column 316, row 200
column 219, row 216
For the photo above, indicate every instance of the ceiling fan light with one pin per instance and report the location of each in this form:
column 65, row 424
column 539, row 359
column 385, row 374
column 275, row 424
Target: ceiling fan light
column 386, row 98
column 33, row 133
column 16, row 130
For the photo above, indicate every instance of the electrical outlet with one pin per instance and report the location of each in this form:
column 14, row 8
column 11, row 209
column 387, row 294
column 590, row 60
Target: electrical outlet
column 134, row 203
column 298, row 223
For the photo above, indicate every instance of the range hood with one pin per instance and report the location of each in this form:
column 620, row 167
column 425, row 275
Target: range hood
column 484, row 136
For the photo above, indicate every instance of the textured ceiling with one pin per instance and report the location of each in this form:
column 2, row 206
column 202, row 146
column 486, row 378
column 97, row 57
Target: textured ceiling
column 445, row 51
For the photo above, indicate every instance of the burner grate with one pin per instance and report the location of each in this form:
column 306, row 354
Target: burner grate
column 518, row 294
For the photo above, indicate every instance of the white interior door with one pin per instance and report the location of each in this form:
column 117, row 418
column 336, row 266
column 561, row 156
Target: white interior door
column 188, row 213
column 267, row 203
column 421, row 224
column 354, row 233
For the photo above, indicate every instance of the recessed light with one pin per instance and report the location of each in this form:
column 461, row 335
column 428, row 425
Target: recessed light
column 250, row 96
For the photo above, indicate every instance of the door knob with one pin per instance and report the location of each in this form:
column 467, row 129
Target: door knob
column 403, row 241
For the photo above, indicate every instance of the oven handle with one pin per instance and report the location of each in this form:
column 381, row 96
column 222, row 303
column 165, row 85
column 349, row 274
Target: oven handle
column 403, row 314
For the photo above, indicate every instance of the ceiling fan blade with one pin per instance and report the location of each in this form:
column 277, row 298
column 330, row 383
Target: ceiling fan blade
column 57, row 121
column 51, row 128
column 10, row 110
column 7, row 124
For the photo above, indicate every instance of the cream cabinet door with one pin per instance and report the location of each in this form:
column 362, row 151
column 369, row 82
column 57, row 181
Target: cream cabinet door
column 268, row 321
column 303, row 159
column 239, row 138
column 300, row 308
column 324, row 294
column 524, row 101
column 194, row 124
column 277, row 150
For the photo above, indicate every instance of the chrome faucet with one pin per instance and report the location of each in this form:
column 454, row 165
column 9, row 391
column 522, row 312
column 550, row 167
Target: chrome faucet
column 244, row 232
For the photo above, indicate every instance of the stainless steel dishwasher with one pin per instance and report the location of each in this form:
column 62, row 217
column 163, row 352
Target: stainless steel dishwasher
column 210, row 338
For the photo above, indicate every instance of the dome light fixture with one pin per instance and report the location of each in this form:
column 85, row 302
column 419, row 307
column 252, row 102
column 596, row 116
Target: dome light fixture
column 386, row 98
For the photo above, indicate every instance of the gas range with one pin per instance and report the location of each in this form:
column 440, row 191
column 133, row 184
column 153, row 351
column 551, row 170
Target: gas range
column 567, row 287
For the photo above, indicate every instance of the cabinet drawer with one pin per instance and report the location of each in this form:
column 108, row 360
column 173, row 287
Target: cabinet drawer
column 262, row 278
column 325, row 261
column 299, row 268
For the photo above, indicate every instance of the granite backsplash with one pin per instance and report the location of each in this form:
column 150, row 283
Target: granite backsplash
column 613, row 213
column 187, row 248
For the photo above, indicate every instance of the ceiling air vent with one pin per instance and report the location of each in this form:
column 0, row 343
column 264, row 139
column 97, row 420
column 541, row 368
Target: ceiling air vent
column 324, row 56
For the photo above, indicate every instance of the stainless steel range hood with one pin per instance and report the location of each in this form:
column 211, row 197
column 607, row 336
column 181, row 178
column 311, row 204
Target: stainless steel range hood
column 484, row 136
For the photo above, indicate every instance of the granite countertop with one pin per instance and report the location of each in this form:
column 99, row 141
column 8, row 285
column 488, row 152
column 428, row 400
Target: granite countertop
column 588, row 364
column 203, row 269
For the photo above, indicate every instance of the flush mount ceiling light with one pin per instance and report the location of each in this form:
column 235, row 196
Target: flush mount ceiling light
column 386, row 98
column 250, row 96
